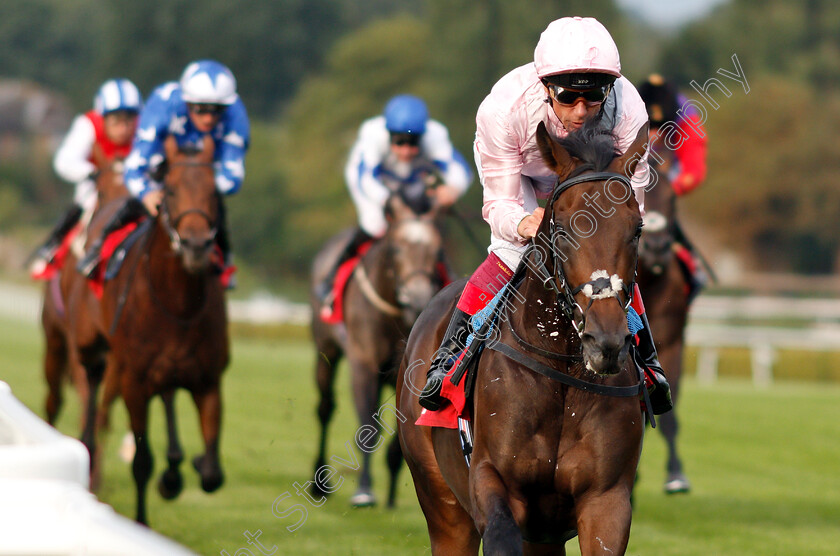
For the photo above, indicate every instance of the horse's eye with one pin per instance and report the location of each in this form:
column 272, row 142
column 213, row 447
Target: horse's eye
column 639, row 230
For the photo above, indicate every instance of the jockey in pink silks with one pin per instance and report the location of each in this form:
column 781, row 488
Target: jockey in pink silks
column 575, row 77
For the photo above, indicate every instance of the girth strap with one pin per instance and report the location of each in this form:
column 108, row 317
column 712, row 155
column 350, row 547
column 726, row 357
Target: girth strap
column 553, row 374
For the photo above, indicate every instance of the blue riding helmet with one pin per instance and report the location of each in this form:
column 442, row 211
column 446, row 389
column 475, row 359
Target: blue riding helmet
column 406, row 114
column 208, row 82
column 117, row 95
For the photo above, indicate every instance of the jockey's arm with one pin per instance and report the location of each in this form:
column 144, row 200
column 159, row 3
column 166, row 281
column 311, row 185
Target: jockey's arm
column 692, row 158
column 147, row 151
column 230, row 150
column 72, row 159
column 452, row 169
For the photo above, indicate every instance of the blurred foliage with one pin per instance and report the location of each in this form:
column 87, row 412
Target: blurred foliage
column 310, row 71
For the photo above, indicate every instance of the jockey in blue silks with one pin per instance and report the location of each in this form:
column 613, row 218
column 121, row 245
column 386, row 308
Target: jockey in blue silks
column 203, row 105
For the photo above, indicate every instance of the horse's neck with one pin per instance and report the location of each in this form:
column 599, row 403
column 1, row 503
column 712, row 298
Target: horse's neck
column 379, row 266
column 537, row 316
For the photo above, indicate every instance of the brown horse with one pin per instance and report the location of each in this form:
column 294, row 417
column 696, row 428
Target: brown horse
column 548, row 461
column 665, row 292
column 395, row 280
column 161, row 324
column 58, row 359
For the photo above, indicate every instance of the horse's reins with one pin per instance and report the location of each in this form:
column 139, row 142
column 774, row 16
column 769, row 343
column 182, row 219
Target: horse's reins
column 370, row 293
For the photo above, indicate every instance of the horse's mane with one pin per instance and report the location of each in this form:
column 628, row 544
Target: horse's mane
column 593, row 144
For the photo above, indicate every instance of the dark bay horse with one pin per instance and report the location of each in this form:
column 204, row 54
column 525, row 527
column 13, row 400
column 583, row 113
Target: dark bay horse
column 395, row 280
column 59, row 360
column 665, row 292
column 161, row 324
column 549, row 461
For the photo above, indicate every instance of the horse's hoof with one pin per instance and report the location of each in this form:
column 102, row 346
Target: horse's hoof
column 212, row 478
column 170, row 484
column 362, row 500
column 677, row 483
column 317, row 491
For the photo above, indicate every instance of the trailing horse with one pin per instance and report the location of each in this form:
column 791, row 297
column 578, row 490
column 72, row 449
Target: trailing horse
column 553, row 402
column 59, row 360
column 665, row 288
column 161, row 324
column 393, row 282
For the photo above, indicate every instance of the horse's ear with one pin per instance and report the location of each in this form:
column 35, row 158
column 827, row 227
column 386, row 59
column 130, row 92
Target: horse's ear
column 208, row 147
column 170, row 147
column 555, row 156
column 626, row 163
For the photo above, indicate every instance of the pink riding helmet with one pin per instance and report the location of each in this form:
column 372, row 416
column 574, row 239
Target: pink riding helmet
column 576, row 45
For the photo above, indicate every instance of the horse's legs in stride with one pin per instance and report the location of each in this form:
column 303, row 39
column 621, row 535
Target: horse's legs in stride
column 94, row 371
column 604, row 524
column 451, row 528
column 325, row 369
column 365, row 384
column 171, row 482
column 209, row 404
column 138, row 413
column 55, row 364
column 395, row 459
column 676, row 481
column 495, row 520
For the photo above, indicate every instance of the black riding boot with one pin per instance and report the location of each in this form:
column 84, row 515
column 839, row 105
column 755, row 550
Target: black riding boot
column 657, row 385
column 324, row 290
column 223, row 240
column 443, row 359
column 46, row 252
column 130, row 211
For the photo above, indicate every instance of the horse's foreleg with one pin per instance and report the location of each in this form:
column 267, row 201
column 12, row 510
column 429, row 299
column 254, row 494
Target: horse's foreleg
column 395, row 459
column 676, row 481
column 604, row 524
column 209, row 404
column 171, row 482
column 494, row 517
column 365, row 384
column 325, row 370
column 55, row 364
column 138, row 413
column 94, row 371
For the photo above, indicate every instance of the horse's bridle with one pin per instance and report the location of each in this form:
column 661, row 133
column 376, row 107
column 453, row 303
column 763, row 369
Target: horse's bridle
column 170, row 224
column 565, row 292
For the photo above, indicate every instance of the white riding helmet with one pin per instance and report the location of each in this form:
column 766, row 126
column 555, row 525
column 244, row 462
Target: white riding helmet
column 208, row 82
column 576, row 45
column 117, row 95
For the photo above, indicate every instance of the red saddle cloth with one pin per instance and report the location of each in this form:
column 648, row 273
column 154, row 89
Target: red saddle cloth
column 342, row 276
column 53, row 266
column 447, row 416
column 97, row 281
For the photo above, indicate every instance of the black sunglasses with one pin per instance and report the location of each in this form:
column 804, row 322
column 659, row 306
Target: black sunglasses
column 215, row 109
column 570, row 96
column 405, row 139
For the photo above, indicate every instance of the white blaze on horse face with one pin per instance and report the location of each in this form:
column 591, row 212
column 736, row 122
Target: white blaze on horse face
column 416, row 232
column 614, row 289
column 655, row 221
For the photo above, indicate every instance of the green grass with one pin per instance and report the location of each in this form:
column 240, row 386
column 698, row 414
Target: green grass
column 763, row 463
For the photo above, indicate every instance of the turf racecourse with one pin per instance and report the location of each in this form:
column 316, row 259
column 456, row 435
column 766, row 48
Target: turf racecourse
column 763, row 463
